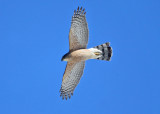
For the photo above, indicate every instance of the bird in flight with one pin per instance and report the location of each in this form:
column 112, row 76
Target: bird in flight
column 78, row 54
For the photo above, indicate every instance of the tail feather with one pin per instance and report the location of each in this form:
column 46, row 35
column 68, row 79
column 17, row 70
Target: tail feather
column 106, row 51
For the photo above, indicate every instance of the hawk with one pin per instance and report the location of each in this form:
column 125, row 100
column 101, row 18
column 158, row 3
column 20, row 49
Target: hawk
column 78, row 54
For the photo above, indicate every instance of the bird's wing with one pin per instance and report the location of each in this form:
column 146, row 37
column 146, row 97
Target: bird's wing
column 71, row 78
column 78, row 35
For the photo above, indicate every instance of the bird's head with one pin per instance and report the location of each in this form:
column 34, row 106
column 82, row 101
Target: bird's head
column 65, row 57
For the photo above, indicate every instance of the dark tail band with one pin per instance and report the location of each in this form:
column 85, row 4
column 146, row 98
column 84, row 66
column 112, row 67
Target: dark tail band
column 106, row 51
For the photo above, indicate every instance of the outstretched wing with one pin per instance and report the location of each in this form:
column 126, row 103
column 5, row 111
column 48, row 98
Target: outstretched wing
column 78, row 35
column 71, row 78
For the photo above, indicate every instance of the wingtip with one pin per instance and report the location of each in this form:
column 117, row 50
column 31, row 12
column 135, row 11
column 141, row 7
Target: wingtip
column 81, row 8
column 66, row 96
column 72, row 93
column 83, row 11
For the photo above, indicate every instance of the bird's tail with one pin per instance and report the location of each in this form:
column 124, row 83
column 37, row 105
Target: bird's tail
column 106, row 51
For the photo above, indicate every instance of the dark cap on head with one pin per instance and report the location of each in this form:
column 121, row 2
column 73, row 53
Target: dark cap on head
column 64, row 56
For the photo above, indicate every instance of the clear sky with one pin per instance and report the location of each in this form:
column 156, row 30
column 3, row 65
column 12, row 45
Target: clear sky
column 34, row 37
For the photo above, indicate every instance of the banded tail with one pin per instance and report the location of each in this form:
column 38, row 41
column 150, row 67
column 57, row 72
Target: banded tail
column 106, row 51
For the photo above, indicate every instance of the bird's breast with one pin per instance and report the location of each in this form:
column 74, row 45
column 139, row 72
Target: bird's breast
column 81, row 55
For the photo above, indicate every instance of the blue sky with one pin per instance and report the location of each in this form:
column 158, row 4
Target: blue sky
column 34, row 37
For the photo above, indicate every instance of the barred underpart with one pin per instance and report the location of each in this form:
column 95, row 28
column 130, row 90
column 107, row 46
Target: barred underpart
column 106, row 51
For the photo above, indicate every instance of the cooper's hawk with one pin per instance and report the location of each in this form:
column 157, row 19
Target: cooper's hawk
column 78, row 54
